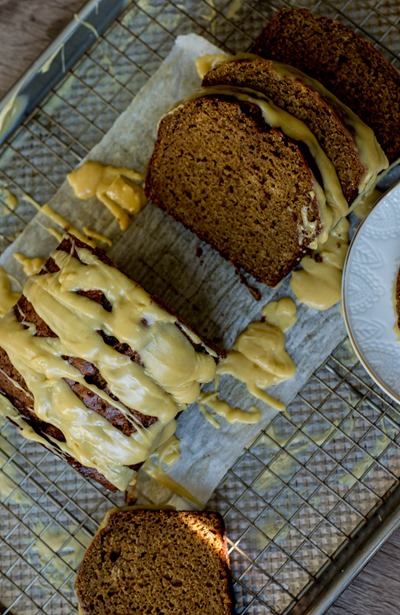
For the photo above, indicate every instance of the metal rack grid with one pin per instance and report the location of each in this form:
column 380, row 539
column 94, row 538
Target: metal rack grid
column 306, row 490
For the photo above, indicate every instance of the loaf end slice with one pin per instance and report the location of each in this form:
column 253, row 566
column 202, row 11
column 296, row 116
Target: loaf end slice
column 157, row 561
column 343, row 61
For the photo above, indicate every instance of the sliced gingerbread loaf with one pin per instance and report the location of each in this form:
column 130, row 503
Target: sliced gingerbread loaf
column 154, row 562
column 342, row 61
column 242, row 186
column 94, row 368
column 348, row 142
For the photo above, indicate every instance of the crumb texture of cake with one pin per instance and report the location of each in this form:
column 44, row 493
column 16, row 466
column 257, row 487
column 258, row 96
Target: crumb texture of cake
column 242, row 186
column 348, row 142
column 344, row 62
column 155, row 562
column 94, row 368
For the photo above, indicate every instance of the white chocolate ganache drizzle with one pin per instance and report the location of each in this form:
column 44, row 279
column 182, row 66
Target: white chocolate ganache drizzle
column 118, row 188
column 30, row 265
column 168, row 379
column 220, row 407
column 258, row 357
column 10, row 200
column 7, row 296
column 318, row 283
column 62, row 222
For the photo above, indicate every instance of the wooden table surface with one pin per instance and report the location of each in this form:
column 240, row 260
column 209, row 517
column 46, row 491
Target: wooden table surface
column 26, row 28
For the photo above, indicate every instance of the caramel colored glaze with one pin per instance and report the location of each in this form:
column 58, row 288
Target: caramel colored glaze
column 318, row 284
column 221, row 408
column 7, row 296
column 118, row 188
column 30, row 266
column 70, row 340
column 258, row 357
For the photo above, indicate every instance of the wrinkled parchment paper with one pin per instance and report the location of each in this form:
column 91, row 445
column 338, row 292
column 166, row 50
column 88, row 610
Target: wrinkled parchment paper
column 205, row 290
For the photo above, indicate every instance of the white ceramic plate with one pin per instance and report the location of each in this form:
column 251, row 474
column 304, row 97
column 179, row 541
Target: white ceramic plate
column 369, row 277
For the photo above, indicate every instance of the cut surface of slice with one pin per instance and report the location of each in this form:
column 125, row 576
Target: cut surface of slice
column 348, row 142
column 242, row 186
column 157, row 561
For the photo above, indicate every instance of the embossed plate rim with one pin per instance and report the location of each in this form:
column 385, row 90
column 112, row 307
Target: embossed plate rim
column 347, row 298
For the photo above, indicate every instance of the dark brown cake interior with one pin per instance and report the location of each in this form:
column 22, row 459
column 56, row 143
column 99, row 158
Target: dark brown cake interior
column 238, row 184
column 156, row 562
column 305, row 103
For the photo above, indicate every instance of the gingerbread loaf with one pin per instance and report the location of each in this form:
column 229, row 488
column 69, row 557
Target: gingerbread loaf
column 95, row 368
column 244, row 187
column 157, row 561
column 344, row 62
column 350, row 144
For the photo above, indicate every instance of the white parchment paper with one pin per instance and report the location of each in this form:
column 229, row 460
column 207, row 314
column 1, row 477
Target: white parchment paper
column 201, row 286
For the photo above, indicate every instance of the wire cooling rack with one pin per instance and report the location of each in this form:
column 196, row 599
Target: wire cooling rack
column 317, row 491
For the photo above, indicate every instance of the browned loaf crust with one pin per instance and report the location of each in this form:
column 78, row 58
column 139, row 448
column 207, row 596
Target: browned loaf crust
column 304, row 102
column 239, row 184
column 21, row 398
column 344, row 62
column 397, row 299
column 157, row 561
